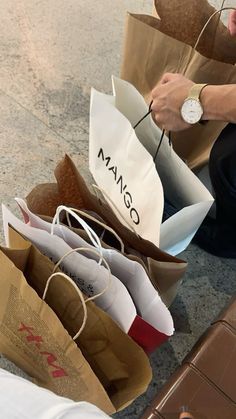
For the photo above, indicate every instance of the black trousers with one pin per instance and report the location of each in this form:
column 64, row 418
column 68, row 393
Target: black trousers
column 222, row 167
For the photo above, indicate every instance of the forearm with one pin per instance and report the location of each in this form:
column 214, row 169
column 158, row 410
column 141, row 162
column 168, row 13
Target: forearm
column 219, row 103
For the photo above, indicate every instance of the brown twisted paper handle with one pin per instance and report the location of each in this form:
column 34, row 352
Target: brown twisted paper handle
column 83, row 300
column 79, row 294
column 203, row 30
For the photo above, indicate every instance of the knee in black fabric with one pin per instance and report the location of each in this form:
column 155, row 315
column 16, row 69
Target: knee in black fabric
column 222, row 162
column 222, row 167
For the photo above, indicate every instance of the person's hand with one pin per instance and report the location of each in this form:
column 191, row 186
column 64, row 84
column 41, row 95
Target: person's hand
column 232, row 22
column 168, row 97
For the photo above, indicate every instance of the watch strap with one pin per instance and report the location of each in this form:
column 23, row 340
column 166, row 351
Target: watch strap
column 196, row 90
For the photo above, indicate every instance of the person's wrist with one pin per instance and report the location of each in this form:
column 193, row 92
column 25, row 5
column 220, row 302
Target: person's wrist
column 210, row 100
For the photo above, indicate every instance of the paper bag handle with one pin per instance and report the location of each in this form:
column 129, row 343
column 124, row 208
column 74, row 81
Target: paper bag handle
column 209, row 20
column 203, row 30
column 83, row 300
column 79, row 294
column 94, row 251
column 90, row 232
column 219, row 11
column 87, row 228
column 104, row 226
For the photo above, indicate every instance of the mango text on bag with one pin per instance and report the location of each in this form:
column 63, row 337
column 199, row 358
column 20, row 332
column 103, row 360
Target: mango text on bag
column 119, row 180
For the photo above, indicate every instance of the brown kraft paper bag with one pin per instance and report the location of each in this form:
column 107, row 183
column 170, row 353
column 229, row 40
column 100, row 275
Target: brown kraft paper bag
column 155, row 46
column 32, row 336
column 165, row 271
column 112, row 355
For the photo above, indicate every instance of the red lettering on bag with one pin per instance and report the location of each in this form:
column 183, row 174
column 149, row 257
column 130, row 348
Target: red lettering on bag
column 51, row 359
column 31, row 337
column 58, row 372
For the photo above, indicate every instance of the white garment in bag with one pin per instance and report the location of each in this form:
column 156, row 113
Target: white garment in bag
column 21, row 399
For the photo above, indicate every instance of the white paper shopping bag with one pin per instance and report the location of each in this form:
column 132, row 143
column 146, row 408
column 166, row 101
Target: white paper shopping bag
column 91, row 277
column 123, row 168
column 133, row 152
column 154, row 325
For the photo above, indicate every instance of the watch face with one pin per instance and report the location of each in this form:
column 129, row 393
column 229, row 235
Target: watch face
column 191, row 111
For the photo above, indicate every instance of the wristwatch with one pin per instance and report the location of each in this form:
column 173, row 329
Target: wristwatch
column 192, row 110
